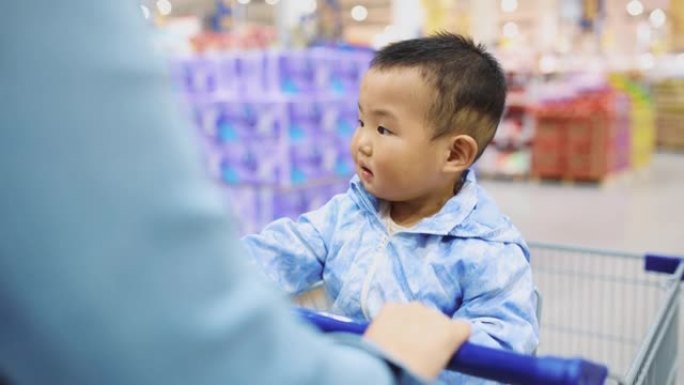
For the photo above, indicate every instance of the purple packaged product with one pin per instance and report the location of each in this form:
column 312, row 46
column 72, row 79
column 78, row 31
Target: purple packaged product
column 213, row 159
column 251, row 164
column 312, row 161
column 237, row 121
column 252, row 73
column 205, row 115
column 296, row 72
column 296, row 201
column 316, row 196
column 196, row 75
column 330, row 150
column 330, row 116
column 253, row 205
column 305, row 164
column 322, row 63
column 289, row 203
column 340, row 186
column 345, row 75
column 347, row 123
column 304, row 119
column 339, row 116
column 321, row 117
column 267, row 205
column 344, row 163
column 348, row 70
column 364, row 58
column 228, row 75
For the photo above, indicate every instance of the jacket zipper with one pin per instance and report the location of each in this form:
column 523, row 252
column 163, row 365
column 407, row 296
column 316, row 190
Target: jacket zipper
column 365, row 289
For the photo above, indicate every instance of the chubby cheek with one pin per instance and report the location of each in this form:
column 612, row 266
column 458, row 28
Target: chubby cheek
column 398, row 169
column 386, row 167
column 352, row 147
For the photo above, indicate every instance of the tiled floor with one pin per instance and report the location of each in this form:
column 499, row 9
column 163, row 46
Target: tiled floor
column 637, row 213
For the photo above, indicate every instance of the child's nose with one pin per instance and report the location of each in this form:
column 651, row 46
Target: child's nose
column 365, row 147
column 361, row 144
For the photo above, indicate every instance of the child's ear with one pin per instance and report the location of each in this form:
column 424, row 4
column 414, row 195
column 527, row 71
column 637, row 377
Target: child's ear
column 462, row 152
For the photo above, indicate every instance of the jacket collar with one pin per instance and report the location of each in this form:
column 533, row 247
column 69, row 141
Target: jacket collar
column 449, row 219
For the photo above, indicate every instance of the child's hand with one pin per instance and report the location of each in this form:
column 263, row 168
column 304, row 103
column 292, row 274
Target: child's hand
column 420, row 337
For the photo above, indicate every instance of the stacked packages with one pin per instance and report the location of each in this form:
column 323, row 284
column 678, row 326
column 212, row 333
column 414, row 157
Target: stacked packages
column 276, row 125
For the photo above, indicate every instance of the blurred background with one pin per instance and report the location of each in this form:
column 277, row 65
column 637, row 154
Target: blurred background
column 590, row 151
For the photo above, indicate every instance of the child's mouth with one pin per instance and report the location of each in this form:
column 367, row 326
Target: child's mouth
column 365, row 171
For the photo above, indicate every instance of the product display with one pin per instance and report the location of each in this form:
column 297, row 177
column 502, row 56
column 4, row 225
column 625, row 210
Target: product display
column 669, row 104
column 276, row 125
column 585, row 138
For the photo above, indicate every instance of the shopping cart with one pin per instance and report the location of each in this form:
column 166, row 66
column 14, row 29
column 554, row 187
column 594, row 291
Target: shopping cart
column 616, row 309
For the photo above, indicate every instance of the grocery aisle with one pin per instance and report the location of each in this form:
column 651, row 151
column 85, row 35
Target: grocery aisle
column 637, row 212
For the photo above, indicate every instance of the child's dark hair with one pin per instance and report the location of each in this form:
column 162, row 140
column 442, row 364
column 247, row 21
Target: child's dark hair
column 470, row 84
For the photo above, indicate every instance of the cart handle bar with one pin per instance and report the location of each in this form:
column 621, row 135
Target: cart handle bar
column 493, row 364
column 662, row 264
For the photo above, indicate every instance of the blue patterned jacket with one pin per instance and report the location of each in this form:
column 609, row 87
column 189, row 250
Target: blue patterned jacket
column 467, row 260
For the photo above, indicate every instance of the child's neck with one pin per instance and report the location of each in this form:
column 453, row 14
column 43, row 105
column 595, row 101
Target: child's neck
column 408, row 213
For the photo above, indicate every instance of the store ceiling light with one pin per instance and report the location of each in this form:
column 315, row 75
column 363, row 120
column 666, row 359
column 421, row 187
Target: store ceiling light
column 510, row 30
column 272, row 2
column 359, row 13
column 657, row 18
column 635, row 8
column 244, row 2
column 164, row 6
column 509, row 5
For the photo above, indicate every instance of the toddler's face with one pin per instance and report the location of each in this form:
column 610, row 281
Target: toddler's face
column 394, row 155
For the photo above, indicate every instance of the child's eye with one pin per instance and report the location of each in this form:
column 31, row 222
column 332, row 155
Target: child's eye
column 383, row 131
column 360, row 123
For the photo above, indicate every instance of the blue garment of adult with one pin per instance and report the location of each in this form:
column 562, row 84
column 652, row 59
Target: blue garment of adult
column 467, row 260
column 115, row 264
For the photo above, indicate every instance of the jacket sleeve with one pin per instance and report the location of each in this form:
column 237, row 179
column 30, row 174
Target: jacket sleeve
column 293, row 253
column 115, row 267
column 498, row 296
